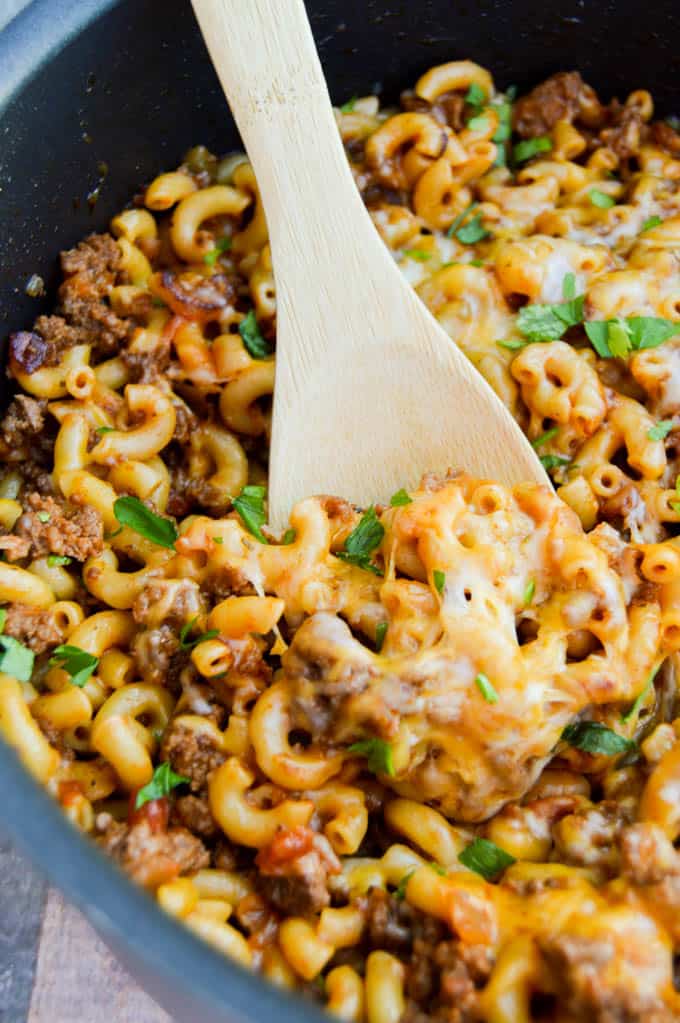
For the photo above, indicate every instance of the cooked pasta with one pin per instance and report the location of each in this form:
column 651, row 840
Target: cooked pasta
column 421, row 760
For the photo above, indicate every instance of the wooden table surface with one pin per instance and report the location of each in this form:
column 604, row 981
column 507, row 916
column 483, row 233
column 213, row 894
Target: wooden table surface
column 53, row 967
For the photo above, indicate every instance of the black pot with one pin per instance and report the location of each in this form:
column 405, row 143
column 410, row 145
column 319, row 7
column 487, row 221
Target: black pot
column 129, row 85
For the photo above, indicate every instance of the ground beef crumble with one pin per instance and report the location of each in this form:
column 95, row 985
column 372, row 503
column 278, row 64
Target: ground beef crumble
column 31, row 626
column 150, row 855
column 191, row 754
column 54, row 527
column 90, row 272
column 294, row 870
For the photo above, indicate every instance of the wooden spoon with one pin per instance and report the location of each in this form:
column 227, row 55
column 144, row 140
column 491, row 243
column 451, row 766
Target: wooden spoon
column 370, row 390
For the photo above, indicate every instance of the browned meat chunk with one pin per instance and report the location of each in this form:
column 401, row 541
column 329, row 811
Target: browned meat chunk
column 56, row 528
column 14, row 547
column 152, row 855
column 173, row 602
column 562, row 97
column 21, row 426
column 90, row 271
column 647, row 855
column 59, row 334
column 36, row 629
column 193, row 812
column 294, row 870
column 191, row 754
column 626, row 130
column 158, row 655
column 668, row 138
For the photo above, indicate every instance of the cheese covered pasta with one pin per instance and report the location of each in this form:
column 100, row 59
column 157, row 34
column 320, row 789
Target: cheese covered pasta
column 419, row 761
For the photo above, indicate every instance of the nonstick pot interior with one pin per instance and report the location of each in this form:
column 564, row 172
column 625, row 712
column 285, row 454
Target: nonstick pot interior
column 96, row 98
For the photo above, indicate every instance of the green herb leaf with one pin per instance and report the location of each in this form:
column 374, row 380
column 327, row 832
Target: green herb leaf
column 218, row 539
column 528, row 148
column 437, row 867
column 475, row 96
column 598, row 332
column 15, row 658
column 649, row 223
column 545, row 437
column 513, row 345
column 485, row 688
column 400, row 498
column 569, row 287
column 104, row 429
column 601, row 199
column 529, row 592
column 363, row 540
column 549, row 322
column 640, row 698
column 460, row 218
column 420, row 255
column 132, row 512
column 650, row 331
column 43, row 517
column 255, row 344
column 55, row 560
column 661, row 430
column 486, row 858
column 479, row 123
column 473, row 231
column 618, row 337
column 439, row 580
column 378, row 755
column 288, row 536
column 76, row 662
column 221, row 245
column 3, row 618
column 188, row 644
column 594, row 737
column 250, row 506
column 349, row 106
column 400, row 891
column 161, row 785
column 550, row 462
column 380, row 633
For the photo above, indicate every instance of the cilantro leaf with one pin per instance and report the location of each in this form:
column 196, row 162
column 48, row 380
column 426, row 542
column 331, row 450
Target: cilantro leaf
column 649, row 223
column 513, row 345
column 256, row 345
column 132, row 512
column 188, row 644
column 439, row 580
column 15, row 658
column 400, row 891
column 650, row 331
column 55, row 560
column 250, row 506
column 475, row 96
column 363, row 540
column 460, row 218
column 601, row 199
column 378, row 755
column 164, row 780
column 473, row 231
column 661, row 430
column 486, row 689
column 380, row 633
column 79, row 664
column 640, row 698
column 549, row 322
column 400, row 498
column 618, row 337
column 486, row 858
column 594, row 737
column 528, row 148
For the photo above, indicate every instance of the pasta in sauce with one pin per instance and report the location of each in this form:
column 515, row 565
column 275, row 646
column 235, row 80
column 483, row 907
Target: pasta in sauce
column 422, row 760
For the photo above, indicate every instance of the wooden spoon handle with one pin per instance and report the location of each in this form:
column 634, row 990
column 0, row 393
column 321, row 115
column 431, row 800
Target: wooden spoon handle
column 266, row 59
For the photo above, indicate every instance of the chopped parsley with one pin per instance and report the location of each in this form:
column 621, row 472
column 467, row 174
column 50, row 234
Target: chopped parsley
column 594, row 737
column 55, row 560
column 218, row 539
column 618, row 337
column 437, row 867
column 661, row 430
column 528, row 148
column 400, row 891
column 649, row 223
column 378, row 755
column 486, row 858
column 250, row 506
column 380, row 633
column 132, row 512
column 161, row 785
column 400, row 498
column 188, row 644
column 15, row 658
column 675, row 505
column 529, row 592
column 601, row 199
column 363, row 540
column 439, row 580
column 101, row 430
column 420, row 255
column 3, row 618
column 479, row 123
column 550, row 462
column 79, row 664
column 485, row 688
column 43, row 517
column 221, row 245
column 513, row 344
column 545, row 437
column 289, row 537
column 256, row 345
column 640, row 698
column 349, row 106
column 471, row 232
column 475, row 96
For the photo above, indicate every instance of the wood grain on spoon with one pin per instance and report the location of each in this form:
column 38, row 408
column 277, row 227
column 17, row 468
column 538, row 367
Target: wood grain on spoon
column 370, row 391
